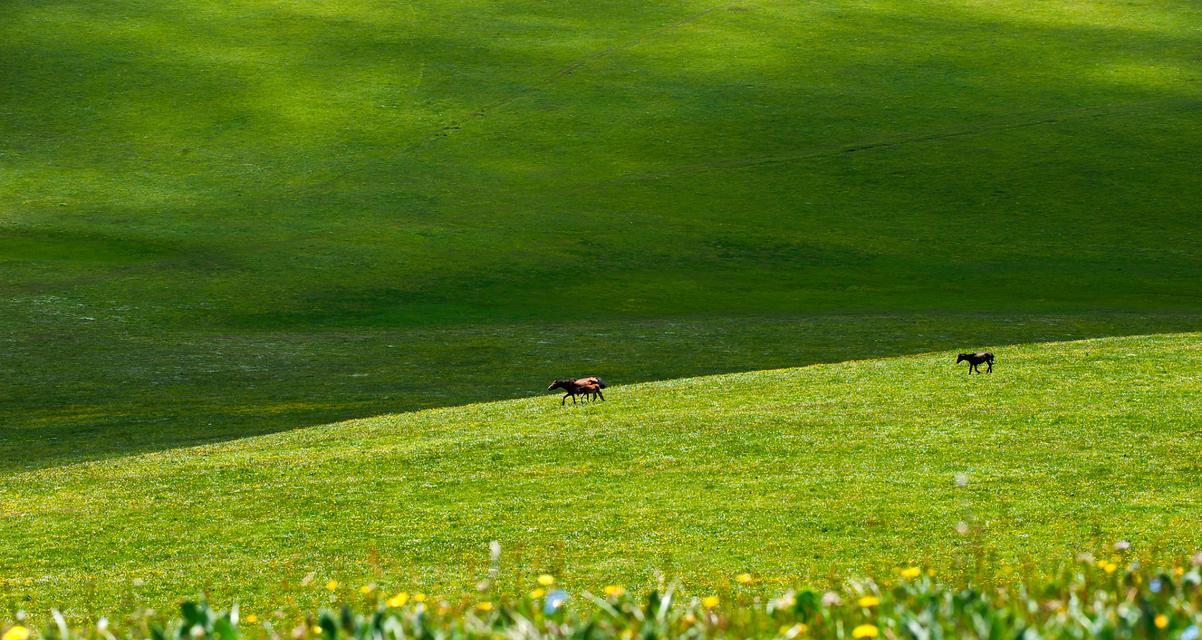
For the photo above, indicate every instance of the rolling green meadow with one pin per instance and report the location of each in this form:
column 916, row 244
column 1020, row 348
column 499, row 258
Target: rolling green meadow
column 811, row 474
column 280, row 281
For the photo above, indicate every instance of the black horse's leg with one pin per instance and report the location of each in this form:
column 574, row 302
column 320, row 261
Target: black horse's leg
column 601, row 394
column 989, row 368
column 563, row 400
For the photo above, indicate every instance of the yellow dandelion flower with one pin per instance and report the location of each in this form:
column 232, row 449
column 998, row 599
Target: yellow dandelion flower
column 931, row 572
column 709, row 602
column 398, row 600
column 868, row 601
column 419, row 597
column 366, row 589
column 1161, row 621
column 546, row 580
column 909, row 573
column 332, row 585
column 17, row 632
column 484, row 606
column 689, row 619
column 316, row 630
column 865, row 631
column 251, row 619
column 537, row 593
column 1179, row 571
column 1110, row 567
column 743, row 578
column 614, row 590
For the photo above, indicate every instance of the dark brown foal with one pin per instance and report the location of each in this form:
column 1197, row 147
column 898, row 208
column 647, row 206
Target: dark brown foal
column 975, row 359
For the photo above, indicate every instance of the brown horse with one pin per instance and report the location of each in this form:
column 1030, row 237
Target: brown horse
column 579, row 386
column 975, row 359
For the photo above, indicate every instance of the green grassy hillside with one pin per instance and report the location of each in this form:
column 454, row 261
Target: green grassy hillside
column 220, row 218
column 791, row 474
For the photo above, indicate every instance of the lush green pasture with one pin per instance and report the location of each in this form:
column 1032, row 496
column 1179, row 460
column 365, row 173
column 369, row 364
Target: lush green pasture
column 227, row 217
column 792, row 475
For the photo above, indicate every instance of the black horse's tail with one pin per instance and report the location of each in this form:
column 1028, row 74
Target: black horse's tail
column 601, row 383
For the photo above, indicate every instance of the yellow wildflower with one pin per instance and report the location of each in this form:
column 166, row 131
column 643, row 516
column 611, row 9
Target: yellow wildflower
column 17, row 632
column 690, row 618
column 909, row 573
column 419, row 597
column 398, row 600
column 546, row 580
column 366, row 589
column 316, row 630
column 865, row 631
column 251, row 619
column 743, row 578
column 1179, row 571
column 709, row 602
column 332, row 585
column 868, row 601
column 614, row 590
column 537, row 593
column 931, row 572
column 1161, row 621
column 793, row 631
column 484, row 606
column 1110, row 567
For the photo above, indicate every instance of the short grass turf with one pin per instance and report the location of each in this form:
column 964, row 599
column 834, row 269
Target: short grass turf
column 795, row 475
column 227, row 217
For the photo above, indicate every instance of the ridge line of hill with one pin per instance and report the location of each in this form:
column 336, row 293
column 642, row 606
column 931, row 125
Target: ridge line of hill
column 1175, row 105
column 418, row 412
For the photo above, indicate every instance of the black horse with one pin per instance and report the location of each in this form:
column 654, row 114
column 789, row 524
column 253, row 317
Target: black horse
column 975, row 359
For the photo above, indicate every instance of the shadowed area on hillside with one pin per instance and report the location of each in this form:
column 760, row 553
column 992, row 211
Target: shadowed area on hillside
column 228, row 218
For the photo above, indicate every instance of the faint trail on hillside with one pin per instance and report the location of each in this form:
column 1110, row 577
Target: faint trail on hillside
column 1081, row 113
column 565, row 71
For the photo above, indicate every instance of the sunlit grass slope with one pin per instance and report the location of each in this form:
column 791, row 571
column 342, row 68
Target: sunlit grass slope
column 224, row 217
column 791, row 474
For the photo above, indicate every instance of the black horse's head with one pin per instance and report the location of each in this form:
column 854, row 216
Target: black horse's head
column 961, row 358
column 559, row 383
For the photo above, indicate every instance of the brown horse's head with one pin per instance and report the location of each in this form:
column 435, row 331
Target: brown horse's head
column 559, row 383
